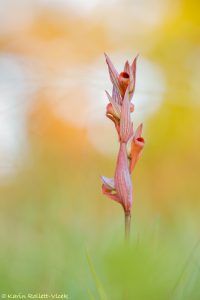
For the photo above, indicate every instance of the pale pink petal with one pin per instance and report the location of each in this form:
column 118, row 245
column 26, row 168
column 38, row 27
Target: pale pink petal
column 109, row 194
column 133, row 66
column 133, row 69
column 116, row 106
column 126, row 126
column 108, row 182
column 110, row 111
column 113, row 72
column 110, row 115
column 127, row 67
column 122, row 179
column 138, row 132
column 128, row 146
column 132, row 83
column 116, row 96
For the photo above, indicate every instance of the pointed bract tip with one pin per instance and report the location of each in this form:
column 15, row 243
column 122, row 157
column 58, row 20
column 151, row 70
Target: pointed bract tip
column 140, row 127
column 138, row 132
column 127, row 67
column 135, row 60
column 138, row 54
column 106, row 56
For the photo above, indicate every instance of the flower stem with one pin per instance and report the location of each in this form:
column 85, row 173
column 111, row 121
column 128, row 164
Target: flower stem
column 127, row 225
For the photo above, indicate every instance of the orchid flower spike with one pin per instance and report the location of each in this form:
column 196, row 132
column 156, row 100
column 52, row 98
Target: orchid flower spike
column 119, row 111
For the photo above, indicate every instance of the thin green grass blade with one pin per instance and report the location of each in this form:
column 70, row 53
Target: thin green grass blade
column 98, row 284
column 185, row 267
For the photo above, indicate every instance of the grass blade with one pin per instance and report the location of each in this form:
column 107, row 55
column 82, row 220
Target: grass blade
column 98, row 284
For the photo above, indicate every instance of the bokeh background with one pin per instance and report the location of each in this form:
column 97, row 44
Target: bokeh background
column 58, row 233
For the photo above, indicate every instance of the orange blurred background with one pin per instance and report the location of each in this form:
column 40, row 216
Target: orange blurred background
column 53, row 77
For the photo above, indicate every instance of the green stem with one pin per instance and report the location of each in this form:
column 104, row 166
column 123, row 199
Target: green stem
column 127, row 225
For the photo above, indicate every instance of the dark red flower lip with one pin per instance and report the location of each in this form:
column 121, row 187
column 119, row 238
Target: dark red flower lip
column 124, row 75
column 140, row 139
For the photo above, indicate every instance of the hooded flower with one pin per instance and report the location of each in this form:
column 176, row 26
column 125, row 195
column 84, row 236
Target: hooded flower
column 119, row 188
column 114, row 108
column 137, row 145
column 122, row 80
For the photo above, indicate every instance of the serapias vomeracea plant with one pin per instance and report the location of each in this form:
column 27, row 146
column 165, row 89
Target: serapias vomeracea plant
column 131, row 141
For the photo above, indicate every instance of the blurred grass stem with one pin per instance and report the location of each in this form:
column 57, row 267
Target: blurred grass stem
column 127, row 226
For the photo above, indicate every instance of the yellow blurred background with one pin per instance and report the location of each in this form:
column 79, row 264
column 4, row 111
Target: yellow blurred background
column 55, row 140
